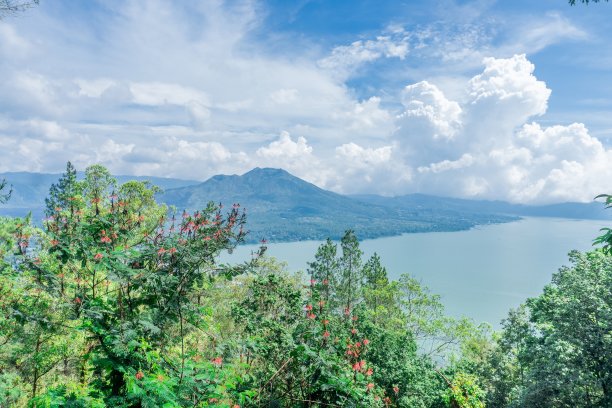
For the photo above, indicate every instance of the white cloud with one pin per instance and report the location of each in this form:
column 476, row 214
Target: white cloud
column 345, row 59
column 495, row 154
column 191, row 90
column 285, row 147
column 427, row 107
column 465, row 160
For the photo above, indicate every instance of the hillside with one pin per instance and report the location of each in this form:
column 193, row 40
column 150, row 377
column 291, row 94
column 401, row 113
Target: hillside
column 282, row 207
column 412, row 202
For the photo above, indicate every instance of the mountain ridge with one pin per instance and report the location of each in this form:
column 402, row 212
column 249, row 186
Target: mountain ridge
column 283, row 207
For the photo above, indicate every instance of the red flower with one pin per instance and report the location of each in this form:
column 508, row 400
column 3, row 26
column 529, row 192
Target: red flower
column 311, row 316
column 366, row 342
column 139, row 375
column 356, row 367
column 347, row 311
column 217, row 361
column 105, row 240
column 354, row 331
column 98, row 256
column 172, row 250
column 369, row 386
column 78, row 300
column 308, row 308
column 396, row 389
column 161, row 251
column 54, row 242
column 370, row 371
column 325, row 334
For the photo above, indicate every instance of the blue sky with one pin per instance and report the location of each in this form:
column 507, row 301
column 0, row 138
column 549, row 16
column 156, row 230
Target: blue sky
column 483, row 99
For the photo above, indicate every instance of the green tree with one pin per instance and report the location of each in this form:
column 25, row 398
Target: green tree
column 4, row 194
column 557, row 349
column 606, row 238
column 10, row 7
column 573, row 2
column 351, row 276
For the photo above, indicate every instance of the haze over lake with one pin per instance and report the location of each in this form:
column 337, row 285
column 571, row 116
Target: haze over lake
column 480, row 273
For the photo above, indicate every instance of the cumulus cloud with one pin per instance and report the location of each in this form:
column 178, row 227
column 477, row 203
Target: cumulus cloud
column 427, row 108
column 191, row 91
column 494, row 153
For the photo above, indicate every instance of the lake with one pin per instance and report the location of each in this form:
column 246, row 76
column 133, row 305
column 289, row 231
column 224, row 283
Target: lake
column 480, row 273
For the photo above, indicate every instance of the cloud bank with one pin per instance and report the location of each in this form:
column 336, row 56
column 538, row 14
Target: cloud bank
column 208, row 98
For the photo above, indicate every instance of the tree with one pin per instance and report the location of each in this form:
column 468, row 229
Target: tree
column 10, row 7
column 573, row 2
column 351, row 272
column 117, row 282
column 64, row 193
column 606, row 237
column 556, row 350
column 5, row 195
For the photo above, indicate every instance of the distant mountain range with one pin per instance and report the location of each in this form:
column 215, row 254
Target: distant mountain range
column 282, row 207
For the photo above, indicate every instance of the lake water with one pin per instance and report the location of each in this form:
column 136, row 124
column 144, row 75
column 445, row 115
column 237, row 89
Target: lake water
column 480, row 273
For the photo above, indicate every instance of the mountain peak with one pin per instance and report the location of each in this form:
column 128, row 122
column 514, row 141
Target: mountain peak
column 267, row 171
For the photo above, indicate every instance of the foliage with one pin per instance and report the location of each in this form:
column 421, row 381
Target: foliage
column 10, row 7
column 4, row 194
column 606, row 237
column 573, row 2
column 117, row 301
column 556, row 349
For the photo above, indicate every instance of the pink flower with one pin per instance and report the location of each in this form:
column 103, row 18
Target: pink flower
column 396, row 389
column 369, row 372
column 161, row 251
column 366, row 342
column 325, row 334
column 311, row 316
column 308, row 308
column 369, row 386
column 217, row 361
column 98, row 256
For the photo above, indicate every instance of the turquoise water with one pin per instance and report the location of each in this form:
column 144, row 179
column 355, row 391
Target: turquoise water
column 480, row 273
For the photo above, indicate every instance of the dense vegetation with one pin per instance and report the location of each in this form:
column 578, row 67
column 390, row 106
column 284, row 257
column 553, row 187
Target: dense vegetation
column 119, row 302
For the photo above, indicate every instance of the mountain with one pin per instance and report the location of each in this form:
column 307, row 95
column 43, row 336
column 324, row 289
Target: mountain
column 593, row 210
column 282, row 207
column 31, row 189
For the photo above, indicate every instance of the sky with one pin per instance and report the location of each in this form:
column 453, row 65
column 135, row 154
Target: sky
column 481, row 99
